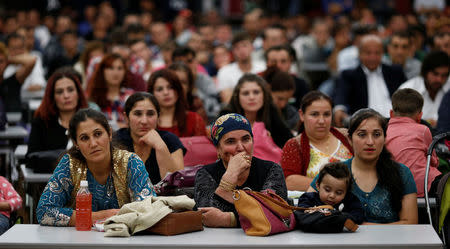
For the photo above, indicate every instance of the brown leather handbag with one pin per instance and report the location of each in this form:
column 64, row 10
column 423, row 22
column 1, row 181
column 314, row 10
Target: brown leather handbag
column 178, row 223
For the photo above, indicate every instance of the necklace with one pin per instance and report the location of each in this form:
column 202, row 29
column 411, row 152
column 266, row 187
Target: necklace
column 323, row 146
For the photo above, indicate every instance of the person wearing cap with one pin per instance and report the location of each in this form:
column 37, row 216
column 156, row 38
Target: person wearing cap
column 236, row 168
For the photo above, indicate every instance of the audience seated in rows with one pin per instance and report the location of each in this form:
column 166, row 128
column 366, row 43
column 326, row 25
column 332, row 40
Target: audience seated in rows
column 371, row 84
column 283, row 59
column 228, row 76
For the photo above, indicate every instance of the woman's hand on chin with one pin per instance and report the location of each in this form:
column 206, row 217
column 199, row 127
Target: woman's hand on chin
column 152, row 138
column 214, row 217
column 237, row 165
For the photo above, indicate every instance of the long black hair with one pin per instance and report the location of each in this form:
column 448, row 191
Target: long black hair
column 388, row 171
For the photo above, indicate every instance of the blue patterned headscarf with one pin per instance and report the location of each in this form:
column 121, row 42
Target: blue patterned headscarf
column 229, row 122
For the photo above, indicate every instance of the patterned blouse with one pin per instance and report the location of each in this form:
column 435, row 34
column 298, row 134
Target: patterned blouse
column 319, row 158
column 54, row 205
column 8, row 194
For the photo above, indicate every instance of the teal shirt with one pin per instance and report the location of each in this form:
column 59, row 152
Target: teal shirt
column 376, row 204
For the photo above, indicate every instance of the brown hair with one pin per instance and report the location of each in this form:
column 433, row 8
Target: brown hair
column 181, row 104
column 407, row 102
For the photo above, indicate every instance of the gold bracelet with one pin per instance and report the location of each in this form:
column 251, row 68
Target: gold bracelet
column 227, row 183
column 233, row 220
column 227, row 186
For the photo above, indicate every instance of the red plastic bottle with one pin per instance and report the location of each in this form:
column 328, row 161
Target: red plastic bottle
column 83, row 220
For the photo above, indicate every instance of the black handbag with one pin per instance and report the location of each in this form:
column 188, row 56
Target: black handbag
column 44, row 161
column 324, row 221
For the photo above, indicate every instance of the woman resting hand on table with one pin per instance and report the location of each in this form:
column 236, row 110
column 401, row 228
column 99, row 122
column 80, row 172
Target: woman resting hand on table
column 235, row 169
column 115, row 176
column 386, row 189
column 161, row 151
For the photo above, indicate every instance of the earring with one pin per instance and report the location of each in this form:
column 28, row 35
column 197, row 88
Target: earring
column 77, row 148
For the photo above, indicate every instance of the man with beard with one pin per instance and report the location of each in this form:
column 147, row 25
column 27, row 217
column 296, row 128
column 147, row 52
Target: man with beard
column 432, row 83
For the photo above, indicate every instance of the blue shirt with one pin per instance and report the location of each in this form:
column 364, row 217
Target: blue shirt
column 376, row 204
column 53, row 205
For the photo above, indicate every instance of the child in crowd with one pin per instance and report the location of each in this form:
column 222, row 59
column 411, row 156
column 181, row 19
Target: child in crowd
column 408, row 140
column 334, row 183
column 10, row 201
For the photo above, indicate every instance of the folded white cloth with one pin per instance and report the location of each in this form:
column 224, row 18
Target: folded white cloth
column 140, row 215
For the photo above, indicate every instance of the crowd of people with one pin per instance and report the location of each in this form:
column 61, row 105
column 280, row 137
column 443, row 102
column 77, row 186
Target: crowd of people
column 340, row 83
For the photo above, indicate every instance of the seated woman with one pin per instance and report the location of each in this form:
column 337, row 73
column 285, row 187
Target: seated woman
column 107, row 89
column 386, row 189
column 252, row 99
column 161, row 151
column 195, row 102
column 115, row 176
column 282, row 88
column 10, row 201
column 63, row 97
column 318, row 143
column 236, row 168
column 175, row 117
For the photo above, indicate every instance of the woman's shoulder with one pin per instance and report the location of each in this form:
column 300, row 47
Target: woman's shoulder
column 191, row 116
column 293, row 142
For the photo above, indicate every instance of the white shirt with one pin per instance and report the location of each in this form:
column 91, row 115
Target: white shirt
column 229, row 75
column 347, row 58
column 377, row 91
column 36, row 77
column 430, row 107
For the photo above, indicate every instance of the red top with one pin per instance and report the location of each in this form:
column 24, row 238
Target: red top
column 296, row 156
column 195, row 126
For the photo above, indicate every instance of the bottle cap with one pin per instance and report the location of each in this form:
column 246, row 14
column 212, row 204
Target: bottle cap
column 83, row 183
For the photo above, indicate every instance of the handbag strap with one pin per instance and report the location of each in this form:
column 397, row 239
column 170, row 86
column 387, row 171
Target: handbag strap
column 284, row 204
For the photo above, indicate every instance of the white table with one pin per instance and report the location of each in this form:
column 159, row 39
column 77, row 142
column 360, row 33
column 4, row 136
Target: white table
column 382, row 236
